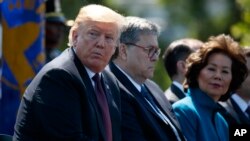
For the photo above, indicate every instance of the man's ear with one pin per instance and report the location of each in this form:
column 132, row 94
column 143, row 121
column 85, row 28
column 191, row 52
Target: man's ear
column 74, row 37
column 181, row 66
column 123, row 51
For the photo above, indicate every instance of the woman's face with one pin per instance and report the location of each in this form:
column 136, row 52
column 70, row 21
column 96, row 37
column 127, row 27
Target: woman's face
column 215, row 78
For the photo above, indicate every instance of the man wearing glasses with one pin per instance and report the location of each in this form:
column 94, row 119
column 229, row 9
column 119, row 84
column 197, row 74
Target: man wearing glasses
column 146, row 113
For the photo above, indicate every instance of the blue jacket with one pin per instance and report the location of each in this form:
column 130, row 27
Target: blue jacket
column 199, row 118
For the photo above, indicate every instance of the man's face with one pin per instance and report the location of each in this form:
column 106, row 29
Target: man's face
column 54, row 34
column 95, row 43
column 140, row 65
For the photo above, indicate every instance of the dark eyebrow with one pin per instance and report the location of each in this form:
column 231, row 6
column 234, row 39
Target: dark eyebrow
column 224, row 67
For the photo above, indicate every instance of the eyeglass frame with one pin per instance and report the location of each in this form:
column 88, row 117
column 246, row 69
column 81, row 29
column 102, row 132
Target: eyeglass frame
column 157, row 51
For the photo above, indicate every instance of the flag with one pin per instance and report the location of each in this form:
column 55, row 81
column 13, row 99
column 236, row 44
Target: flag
column 22, row 54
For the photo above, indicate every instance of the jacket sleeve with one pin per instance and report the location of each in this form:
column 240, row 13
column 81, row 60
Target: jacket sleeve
column 51, row 109
column 187, row 119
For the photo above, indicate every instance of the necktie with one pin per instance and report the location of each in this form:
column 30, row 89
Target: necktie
column 103, row 104
column 248, row 111
column 145, row 93
column 150, row 99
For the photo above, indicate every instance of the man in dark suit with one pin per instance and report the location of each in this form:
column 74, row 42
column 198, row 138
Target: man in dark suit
column 72, row 98
column 238, row 105
column 174, row 61
column 146, row 113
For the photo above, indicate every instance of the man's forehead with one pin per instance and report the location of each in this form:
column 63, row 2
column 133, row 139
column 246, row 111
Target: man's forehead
column 113, row 27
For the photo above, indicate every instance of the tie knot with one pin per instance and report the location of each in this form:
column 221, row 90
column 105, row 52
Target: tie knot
column 96, row 77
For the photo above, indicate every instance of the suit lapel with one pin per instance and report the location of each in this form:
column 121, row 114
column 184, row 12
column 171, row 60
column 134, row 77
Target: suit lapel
column 130, row 87
column 107, row 90
column 113, row 107
column 177, row 91
column 162, row 101
column 89, row 90
column 243, row 118
column 158, row 94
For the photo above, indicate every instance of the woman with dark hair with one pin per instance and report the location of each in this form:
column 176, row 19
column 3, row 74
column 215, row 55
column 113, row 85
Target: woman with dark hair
column 213, row 73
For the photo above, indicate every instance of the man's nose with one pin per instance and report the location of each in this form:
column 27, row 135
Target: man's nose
column 154, row 57
column 101, row 42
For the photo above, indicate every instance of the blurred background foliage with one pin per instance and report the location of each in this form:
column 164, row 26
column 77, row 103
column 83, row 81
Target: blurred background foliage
column 179, row 19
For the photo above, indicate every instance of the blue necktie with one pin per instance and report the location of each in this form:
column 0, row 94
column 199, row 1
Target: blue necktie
column 103, row 104
column 146, row 94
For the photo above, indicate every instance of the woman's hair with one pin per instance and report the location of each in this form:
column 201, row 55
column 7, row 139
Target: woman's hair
column 217, row 44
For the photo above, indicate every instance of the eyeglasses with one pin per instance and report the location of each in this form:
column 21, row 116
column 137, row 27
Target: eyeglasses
column 151, row 51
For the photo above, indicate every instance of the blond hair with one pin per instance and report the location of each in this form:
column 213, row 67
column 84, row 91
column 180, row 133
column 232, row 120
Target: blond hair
column 99, row 13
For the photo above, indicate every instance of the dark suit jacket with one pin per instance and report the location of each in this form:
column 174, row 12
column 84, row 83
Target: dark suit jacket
column 173, row 94
column 139, row 120
column 234, row 115
column 60, row 104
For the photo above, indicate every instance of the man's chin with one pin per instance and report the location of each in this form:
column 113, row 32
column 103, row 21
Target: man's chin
column 96, row 66
column 151, row 75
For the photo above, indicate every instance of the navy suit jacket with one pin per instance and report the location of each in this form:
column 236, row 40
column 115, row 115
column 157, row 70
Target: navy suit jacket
column 139, row 121
column 60, row 104
column 234, row 115
column 173, row 94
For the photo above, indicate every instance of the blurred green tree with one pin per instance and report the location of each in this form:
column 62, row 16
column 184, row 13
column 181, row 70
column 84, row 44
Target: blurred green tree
column 241, row 29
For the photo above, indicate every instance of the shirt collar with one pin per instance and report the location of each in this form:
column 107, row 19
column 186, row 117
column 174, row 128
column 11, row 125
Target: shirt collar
column 241, row 103
column 91, row 74
column 137, row 86
column 179, row 85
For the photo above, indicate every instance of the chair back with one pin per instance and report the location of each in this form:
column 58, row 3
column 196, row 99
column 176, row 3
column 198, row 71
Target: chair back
column 4, row 137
